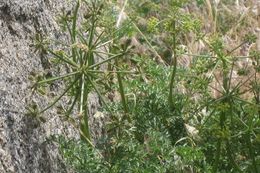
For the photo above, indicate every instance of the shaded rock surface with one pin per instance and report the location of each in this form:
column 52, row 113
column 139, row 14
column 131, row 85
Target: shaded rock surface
column 24, row 144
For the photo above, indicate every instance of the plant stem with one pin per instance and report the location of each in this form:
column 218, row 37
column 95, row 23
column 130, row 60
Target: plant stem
column 174, row 70
column 83, row 109
column 215, row 167
column 58, row 98
column 57, row 78
column 122, row 92
column 104, row 61
column 74, row 23
column 229, row 153
column 223, row 113
column 65, row 59
column 251, row 152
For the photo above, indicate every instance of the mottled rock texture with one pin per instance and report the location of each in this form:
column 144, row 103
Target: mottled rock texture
column 24, row 145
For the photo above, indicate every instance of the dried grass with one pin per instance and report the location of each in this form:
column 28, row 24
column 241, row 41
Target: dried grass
column 240, row 17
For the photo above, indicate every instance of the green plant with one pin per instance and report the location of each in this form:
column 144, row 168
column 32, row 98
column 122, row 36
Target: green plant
column 168, row 118
column 79, row 57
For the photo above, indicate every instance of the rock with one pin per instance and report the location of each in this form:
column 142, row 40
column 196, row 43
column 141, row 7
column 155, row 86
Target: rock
column 24, row 144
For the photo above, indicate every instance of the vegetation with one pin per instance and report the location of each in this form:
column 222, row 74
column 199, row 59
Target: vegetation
column 189, row 94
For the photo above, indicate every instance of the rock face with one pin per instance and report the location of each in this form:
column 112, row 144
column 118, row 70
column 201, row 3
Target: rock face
column 24, row 145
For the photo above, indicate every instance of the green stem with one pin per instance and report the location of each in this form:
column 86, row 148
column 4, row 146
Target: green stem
column 74, row 22
column 100, row 95
column 58, row 98
column 107, row 71
column 149, row 44
column 122, row 92
column 64, row 59
column 215, row 167
column 57, row 78
column 104, row 61
column 83, row 109
column 76, row 96
column 222, row 117
column 174, row 70
column 251, row 152
column 229, row 153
